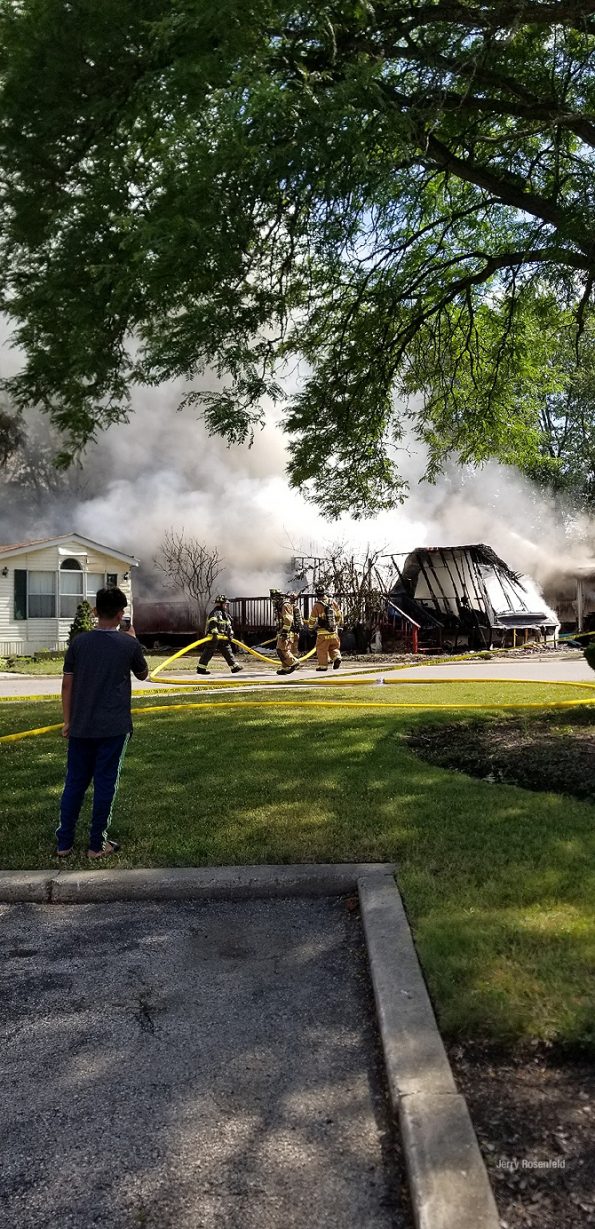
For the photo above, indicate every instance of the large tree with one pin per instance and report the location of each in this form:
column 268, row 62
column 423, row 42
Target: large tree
column 393, row 191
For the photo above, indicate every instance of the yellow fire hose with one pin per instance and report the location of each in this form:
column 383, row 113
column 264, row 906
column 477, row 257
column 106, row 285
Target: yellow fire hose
column 262, row 657
column 174, row 656
column 284, row 702
column 195, row 644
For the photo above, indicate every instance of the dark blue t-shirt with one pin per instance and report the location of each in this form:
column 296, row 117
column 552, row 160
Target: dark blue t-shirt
column 100, row 663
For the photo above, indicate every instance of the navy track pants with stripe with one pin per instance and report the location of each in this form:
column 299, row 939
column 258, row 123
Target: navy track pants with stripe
column 90, row 759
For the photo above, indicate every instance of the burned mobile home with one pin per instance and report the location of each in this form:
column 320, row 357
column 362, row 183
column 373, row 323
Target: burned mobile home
column 456, row 597
column 435, row 599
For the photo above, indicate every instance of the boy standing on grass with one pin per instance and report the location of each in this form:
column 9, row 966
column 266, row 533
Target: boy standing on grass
column 96, row 697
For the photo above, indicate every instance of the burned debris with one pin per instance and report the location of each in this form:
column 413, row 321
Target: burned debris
column 465, row 597
column 435, row 599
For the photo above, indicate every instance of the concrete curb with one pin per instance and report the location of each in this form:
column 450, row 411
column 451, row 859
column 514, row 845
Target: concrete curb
column 182, row 883
column 448, row 1180
column 16, row 886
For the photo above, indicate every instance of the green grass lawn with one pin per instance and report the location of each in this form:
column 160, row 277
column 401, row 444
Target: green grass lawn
column 48, row 669
column 499, row 883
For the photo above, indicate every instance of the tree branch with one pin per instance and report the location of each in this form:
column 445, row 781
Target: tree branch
column 582, row 125
column 498, row 16
column 509, row 190
column 504, row 260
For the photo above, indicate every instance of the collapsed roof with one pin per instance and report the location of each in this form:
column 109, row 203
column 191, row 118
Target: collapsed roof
column 467, row 590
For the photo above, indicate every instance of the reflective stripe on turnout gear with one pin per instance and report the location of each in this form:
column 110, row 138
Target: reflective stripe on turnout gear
column 219, row 624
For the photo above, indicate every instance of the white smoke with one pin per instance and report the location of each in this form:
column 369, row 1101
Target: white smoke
column 533, row 532
column 162, row 471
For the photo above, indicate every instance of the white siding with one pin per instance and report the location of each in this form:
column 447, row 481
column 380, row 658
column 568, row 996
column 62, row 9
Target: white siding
column 28, row 635
column 11, row 632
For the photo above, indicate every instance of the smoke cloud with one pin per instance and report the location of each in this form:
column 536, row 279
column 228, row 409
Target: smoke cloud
column 162, row 471
column 534, row 533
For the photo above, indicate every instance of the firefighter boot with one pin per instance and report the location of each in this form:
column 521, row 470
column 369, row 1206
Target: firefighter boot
column 336, row 663
column 202, row 670
column 236, row 669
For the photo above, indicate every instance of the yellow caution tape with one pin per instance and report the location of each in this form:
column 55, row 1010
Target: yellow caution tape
column 149, row 691
column 55, row 695
column 198, row 683
column 365, row 680
column 361, row 679
column 10, row 699
column 337, row 682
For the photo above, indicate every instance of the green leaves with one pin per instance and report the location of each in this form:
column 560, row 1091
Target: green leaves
column 391, row 195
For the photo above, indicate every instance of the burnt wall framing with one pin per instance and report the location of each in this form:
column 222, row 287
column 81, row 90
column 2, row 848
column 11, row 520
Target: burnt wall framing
column 469, row 614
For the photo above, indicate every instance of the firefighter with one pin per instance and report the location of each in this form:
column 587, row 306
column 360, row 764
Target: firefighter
column 289, row 622
column 327, row 620
column 220, row 629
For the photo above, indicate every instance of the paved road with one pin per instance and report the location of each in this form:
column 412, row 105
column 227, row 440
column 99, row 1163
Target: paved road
column 37, row 685
column 550, row 668
column 186, row 1065
column 24, row 685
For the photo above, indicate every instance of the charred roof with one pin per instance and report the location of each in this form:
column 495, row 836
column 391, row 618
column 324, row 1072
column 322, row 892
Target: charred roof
column 467, row 588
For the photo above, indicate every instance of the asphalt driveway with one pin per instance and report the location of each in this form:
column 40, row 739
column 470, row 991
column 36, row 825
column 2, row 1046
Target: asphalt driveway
column 191, row 1065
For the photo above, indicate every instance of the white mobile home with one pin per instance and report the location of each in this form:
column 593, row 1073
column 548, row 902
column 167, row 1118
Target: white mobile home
column 42, row 583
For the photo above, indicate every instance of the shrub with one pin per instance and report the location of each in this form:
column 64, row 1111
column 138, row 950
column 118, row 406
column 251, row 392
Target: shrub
column 590, row 655
column 82, row 622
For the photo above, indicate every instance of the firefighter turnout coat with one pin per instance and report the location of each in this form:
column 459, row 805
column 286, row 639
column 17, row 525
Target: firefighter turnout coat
column 326, row 620
column 219, row 625
column 289, row 623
